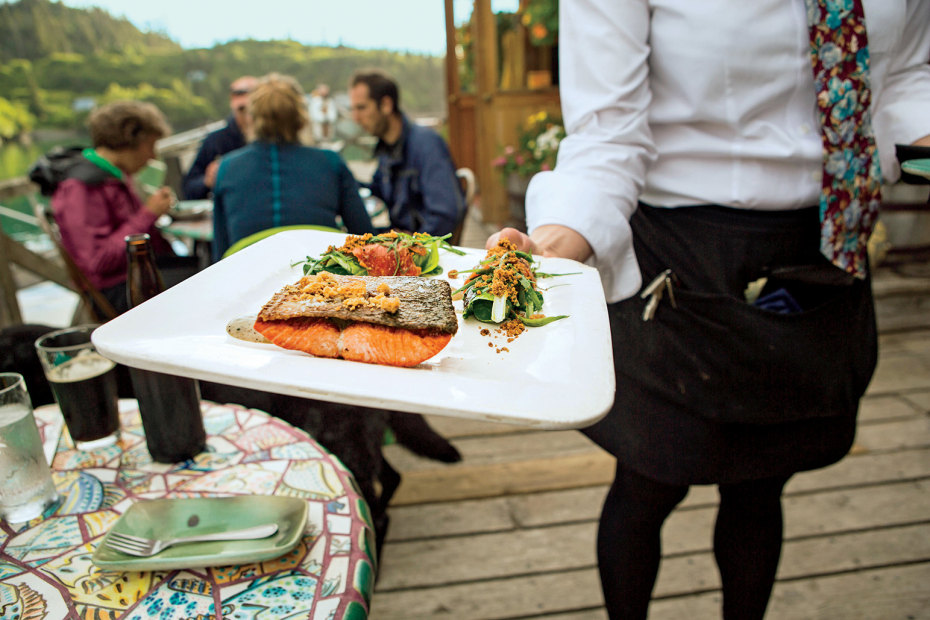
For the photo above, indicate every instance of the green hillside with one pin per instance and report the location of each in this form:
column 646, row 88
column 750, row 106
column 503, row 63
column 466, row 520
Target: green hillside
column 56, row 61
column 34, row 29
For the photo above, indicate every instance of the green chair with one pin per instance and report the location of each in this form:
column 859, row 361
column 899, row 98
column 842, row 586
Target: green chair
column 262, row 234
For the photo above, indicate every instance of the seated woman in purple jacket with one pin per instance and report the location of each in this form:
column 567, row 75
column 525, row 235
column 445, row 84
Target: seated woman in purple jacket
column 99, row 208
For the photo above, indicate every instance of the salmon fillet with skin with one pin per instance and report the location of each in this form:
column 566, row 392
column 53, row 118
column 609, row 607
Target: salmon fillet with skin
column 324, row 326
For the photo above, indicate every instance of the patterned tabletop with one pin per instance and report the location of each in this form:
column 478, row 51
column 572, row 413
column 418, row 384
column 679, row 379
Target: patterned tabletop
column 45, row 564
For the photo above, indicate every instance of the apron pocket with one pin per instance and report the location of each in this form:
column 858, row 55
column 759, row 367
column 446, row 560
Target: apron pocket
column 728, row 361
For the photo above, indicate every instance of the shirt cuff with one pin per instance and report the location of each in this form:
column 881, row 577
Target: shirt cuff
column 553, row 198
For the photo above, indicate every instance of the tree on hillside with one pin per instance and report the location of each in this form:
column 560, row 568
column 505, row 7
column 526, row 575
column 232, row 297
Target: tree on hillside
column 15, row 120
column 33, row 29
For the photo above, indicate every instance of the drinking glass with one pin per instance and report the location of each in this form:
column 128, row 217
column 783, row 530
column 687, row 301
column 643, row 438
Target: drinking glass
column 26, row 487
column 84, row 385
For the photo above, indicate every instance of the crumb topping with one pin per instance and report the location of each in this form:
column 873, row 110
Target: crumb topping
column 504, row 280
column 513, row 328
column 324, row 287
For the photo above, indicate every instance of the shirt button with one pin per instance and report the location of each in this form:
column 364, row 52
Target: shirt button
column 805, row 128
column 816, row 175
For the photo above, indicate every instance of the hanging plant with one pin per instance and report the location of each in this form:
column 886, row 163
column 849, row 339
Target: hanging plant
column 541, row 19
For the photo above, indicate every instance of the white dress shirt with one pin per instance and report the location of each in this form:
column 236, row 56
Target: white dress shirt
column 688, row 102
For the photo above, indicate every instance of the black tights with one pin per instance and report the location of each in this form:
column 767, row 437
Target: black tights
column 747, row 542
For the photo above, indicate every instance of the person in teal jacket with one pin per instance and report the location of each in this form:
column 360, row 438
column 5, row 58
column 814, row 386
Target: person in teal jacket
column 277, row 181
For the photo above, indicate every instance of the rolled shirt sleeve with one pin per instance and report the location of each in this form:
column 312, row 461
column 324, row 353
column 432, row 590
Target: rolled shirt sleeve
column 602, row 163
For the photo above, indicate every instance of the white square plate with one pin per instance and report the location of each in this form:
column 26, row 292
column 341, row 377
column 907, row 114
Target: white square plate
column 556, row 376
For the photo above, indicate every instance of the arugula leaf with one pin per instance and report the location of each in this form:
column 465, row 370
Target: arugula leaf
column 541, row 321
column 432, row 259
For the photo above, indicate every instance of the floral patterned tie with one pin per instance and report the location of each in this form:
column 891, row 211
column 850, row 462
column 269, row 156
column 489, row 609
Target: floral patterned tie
column 851, row 191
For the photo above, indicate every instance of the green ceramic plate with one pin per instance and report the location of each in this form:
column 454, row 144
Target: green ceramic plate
column 170, row 518
column 919, row 167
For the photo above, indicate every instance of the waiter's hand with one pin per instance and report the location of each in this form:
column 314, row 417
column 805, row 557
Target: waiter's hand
column 549, row 240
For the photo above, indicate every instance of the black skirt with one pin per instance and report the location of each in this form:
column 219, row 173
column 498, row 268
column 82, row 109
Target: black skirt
column 714, row 389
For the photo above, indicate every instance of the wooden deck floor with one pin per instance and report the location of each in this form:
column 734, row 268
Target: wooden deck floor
column 509, row 532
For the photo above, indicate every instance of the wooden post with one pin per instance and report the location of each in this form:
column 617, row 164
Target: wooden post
column 9, row 306
column 12, row 252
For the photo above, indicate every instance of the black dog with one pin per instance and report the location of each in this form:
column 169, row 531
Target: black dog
column 18, row 354
column 354, row 434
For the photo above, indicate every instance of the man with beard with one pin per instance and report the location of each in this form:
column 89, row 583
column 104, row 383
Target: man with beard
column 415, row 176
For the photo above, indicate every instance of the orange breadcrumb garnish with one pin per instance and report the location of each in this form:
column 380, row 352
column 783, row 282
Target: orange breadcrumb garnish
column 352, row 291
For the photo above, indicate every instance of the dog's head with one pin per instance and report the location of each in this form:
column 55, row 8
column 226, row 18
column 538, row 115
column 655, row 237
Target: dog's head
column 18, row 354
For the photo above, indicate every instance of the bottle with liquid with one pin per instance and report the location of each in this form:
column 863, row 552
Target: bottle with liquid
column 169, row 405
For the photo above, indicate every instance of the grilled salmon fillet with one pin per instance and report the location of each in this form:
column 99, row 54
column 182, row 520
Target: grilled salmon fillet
column 397, row 321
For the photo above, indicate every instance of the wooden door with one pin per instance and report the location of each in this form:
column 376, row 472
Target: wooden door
column 493, row 86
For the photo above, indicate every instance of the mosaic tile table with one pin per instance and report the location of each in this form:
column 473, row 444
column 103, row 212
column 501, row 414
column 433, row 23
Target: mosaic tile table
column 45, row 564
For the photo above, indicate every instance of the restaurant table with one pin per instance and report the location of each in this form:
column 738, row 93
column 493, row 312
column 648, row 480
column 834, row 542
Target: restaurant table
column 45, row 565
column 195, row 232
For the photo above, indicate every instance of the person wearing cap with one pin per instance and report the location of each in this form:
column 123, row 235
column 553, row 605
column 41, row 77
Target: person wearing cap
column 199, row 181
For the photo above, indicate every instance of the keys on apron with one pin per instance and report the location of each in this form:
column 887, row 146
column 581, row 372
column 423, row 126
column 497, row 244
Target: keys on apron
column 655, row 290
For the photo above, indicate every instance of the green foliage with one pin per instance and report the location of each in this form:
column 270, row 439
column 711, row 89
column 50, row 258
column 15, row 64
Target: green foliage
column 15, row 119
column 177, row 102
column 541, row 18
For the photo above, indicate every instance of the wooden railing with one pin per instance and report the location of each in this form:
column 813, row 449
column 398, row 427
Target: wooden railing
column 15, row 253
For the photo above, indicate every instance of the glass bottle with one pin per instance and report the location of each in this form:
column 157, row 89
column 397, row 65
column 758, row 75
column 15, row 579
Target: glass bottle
column 169, row 405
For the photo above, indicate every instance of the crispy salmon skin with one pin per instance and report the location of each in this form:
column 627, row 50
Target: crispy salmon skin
column 397, row 321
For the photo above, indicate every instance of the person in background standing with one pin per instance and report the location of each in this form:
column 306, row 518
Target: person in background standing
column 199, row 180
column 415, row 176
column 695, row 163
column 323, row 114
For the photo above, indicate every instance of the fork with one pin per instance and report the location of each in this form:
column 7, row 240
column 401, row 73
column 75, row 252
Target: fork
column 146, row 547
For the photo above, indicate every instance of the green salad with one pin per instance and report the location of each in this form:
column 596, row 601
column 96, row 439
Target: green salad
column 503, row 288
column 388, row 254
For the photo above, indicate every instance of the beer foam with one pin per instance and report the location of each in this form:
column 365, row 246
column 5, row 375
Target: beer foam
column 81, row 368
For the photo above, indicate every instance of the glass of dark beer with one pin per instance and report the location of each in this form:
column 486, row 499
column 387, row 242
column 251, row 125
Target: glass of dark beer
column 84, row 385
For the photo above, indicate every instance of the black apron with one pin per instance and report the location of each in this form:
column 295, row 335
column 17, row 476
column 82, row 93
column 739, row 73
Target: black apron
column 715, row 389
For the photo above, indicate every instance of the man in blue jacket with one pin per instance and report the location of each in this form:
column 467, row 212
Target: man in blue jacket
column 198, row 183
column 415, row 176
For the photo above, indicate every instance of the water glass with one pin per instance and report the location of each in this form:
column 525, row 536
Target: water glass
column 26, row 487
column 84, row 385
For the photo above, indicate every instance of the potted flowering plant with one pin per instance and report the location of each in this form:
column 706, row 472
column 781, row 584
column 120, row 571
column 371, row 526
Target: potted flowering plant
column 535, row 151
